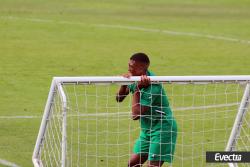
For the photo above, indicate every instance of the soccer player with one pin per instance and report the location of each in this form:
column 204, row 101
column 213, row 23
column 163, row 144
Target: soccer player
column 150, row 105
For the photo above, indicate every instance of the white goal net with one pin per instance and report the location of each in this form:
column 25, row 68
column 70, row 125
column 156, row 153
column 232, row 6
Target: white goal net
column 83, row 125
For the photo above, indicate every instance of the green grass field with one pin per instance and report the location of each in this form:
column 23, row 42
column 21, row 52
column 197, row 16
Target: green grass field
column 41, row 39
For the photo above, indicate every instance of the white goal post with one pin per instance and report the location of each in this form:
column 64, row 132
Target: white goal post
column 83, row 125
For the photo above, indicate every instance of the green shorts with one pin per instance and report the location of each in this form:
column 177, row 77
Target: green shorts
column 158, row 145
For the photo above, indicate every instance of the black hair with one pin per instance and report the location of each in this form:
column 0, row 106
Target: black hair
column 140, row 57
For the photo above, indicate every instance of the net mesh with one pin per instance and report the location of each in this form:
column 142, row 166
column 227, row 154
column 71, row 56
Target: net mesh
column 100, row 131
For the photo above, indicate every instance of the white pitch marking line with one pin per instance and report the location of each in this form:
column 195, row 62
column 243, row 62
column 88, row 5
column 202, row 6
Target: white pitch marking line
column 20, row 117
column 192, row 34
column 7, row 163
column 136, row 28
column 125, row 113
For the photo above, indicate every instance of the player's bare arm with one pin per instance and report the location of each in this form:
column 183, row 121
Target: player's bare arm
column 124, row 90
column 138, row 109
column 122, row 93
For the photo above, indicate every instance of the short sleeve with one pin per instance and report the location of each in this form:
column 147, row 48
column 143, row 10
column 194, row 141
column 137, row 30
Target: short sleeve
column 149, row 95
column 132, row 87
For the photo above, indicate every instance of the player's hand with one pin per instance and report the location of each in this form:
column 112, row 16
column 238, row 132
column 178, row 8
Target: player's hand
column 127, row 75
column 145, row 82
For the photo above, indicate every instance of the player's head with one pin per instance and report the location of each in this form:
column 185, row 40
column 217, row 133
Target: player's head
column 138, row 64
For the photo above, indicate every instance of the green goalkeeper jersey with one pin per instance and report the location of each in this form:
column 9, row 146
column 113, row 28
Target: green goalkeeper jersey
column 159, row 116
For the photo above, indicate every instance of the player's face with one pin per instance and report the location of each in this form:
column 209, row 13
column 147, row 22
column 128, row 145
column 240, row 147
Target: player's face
column 137, row 68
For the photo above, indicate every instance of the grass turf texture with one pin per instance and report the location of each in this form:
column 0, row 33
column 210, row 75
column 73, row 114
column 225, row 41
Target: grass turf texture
column 55, row 44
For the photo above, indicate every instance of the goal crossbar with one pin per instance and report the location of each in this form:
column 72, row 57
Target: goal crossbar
column 155, row 79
